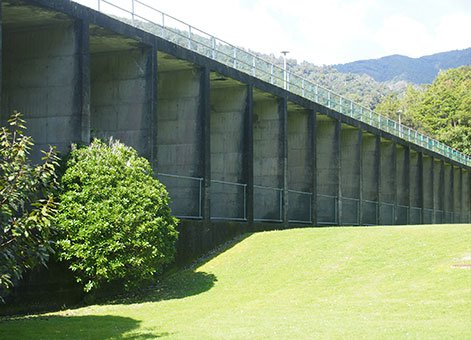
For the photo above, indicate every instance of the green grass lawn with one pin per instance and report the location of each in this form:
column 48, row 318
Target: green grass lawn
column 375, row 282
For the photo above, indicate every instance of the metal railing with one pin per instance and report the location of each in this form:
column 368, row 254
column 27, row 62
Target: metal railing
column 327, row 209
column 301, row 211
column 415, row 215
column 428, row 216
column 186, row 195
column 350, row 210
column 228, row 201
column 268, row 204
column 402, row 214
column 145, row 17
column 370, row 212
column 387, row 213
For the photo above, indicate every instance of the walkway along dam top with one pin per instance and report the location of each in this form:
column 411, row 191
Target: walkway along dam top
column 144, row 16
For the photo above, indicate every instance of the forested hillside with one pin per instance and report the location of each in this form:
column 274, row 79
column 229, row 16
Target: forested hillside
column 421, row 70
column 441, row 110
column 362, row 89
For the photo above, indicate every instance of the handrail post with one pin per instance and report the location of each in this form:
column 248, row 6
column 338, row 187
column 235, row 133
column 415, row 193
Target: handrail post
column 189, row 37
column 235, row 57
column 99, row 5
column 132, row 12
column 213, row 45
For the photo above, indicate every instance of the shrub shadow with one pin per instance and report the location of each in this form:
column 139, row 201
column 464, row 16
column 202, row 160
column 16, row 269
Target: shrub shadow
column 182, row 283
column 74, row 327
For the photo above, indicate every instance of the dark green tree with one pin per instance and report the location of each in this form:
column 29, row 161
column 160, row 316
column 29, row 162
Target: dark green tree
column 27, row 206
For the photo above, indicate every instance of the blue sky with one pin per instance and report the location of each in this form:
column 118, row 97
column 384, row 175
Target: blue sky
column 329, row 31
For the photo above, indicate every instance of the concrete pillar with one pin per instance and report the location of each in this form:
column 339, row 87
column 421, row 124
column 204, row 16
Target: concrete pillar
column 152, row 79
column 328, row 162
column 83, row 98
column 313, row 157
column 369, row 179
column 283, row 112
column 228, row 122
column 268, row 158
column 415, row 188
column 428, row 188
column 205, row 114
column 466, row 196
column 299, row 165
column 248, row 159
column 439, row 191
column 402, row 184
column 350, row 170
column 457, row 184
column 448, row 192
column 388, row 190
column 44, row 77
column 121, row 97
column 180, row 137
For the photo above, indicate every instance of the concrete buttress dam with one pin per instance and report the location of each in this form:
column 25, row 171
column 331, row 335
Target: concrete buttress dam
column 240, row 144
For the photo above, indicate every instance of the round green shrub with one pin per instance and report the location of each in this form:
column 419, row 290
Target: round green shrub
column 114, row 216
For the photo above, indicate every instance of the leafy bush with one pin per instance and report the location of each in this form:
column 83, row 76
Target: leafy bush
column 26, row 204
column 114, row 216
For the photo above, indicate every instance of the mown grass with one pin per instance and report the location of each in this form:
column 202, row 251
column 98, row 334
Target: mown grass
column 375, row 282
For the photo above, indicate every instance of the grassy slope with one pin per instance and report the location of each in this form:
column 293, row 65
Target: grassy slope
column 330, row 282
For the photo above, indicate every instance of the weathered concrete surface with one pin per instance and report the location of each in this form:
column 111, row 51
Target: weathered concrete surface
column 179, row 132
column 268, row 161
column 387, row 189
column 299, row 164
column 120, row 101
column 448, row 193
column 415, row 189
column 466, row 197
column 428, row 189
column 179, row 138
column 350, row 158
column 228, row 105
column 438, row 192
column 369, row 178
column 328, row 169
column 457, row 184
column 402, row 185
column 41, row 80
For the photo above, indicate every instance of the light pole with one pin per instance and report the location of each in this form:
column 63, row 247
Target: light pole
column 399, row 113
column 285, row 71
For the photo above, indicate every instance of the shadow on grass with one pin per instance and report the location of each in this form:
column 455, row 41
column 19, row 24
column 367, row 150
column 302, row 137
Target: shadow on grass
column 182, row 283
column 74, row 327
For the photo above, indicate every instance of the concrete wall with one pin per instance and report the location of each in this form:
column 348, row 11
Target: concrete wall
column 228, row 105
column 387, row 189
column 448, row 193
column 268, row 165
column 415, row 188
column 428, row 189
column 457, row 184
column 299, row 165
column 402, row 185
column 179, row 138
column 120, row 101
column 41, row 80
column 466, row 197
column 438, row 192
column 369, row 179
column 179, row 142
column 328, row 169
column 350, row 157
